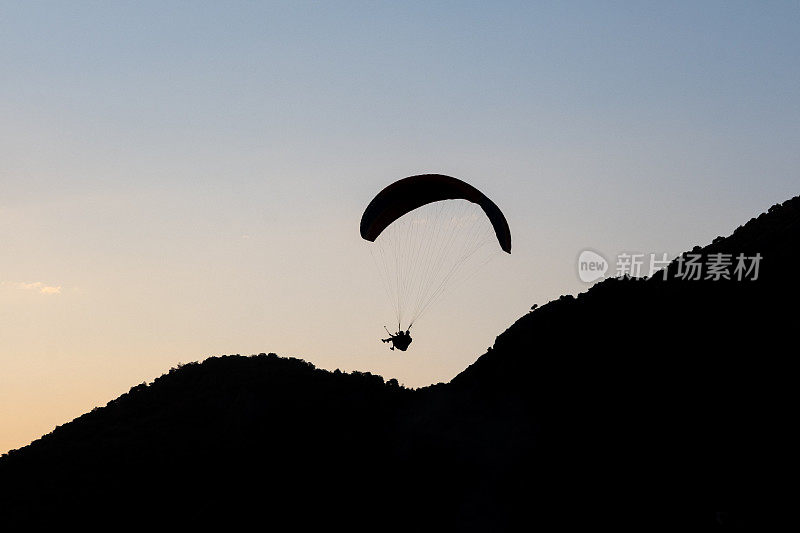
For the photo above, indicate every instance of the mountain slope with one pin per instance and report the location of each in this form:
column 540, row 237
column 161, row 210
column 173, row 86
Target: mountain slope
column 636, row 390
column 656, row 385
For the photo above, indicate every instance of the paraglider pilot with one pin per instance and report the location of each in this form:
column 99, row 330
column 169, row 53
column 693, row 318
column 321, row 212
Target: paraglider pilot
column 399, row 340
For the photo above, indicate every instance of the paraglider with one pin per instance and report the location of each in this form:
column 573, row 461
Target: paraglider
column 429, row 231
column 399, row 340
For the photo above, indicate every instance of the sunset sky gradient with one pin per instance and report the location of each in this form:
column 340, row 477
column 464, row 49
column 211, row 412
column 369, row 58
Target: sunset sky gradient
column 185, row 179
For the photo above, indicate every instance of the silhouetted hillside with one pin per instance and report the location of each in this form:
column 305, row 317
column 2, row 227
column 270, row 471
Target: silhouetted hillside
column 589, row 409
column 231, row 428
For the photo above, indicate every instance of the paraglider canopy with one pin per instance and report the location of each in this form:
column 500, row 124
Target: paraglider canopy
column 430, row 232
column 408, row 194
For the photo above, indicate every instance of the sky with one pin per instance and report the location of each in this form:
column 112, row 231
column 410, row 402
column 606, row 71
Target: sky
column 181, row 180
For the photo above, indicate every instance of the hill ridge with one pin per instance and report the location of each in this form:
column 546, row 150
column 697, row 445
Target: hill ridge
column 634, row 388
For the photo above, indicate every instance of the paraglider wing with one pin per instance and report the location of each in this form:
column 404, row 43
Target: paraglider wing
column 410, row 193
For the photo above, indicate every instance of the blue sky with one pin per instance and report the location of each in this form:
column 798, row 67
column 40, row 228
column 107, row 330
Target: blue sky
column 191, row 175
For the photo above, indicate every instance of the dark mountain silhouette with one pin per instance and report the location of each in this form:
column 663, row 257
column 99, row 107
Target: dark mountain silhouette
column 587, row 411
